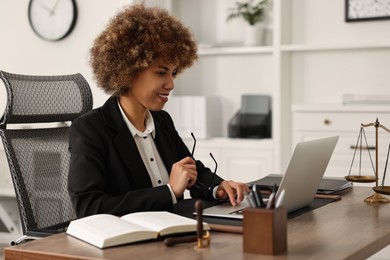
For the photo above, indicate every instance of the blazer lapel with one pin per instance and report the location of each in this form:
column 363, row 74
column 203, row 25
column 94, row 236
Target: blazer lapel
column 125, row 144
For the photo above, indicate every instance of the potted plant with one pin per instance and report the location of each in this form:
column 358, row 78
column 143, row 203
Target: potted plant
column 252, row 12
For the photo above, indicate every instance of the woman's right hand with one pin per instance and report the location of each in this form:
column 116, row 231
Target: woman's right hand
column 183, row 176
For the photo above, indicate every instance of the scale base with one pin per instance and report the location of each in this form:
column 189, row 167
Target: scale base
column 376, row 198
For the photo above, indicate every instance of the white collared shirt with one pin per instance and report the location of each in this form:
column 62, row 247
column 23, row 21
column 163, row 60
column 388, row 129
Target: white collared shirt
column 148, row 151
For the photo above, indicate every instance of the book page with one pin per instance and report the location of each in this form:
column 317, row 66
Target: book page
column 104, row 230
column 164, row 222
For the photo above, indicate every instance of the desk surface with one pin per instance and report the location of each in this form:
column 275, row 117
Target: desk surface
column 349, row 228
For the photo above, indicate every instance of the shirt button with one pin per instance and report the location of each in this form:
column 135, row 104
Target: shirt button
column 144, row 137
column 159, row 181
column 151, row 159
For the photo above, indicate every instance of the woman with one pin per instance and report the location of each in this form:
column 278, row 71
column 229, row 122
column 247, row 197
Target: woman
column 126, row 156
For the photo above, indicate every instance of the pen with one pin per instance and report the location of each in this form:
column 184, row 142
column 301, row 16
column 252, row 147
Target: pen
column 279, row 200
column 251, row 200
column 256, row 196
column 271, row 199
column 259, row 196
column 270, row 203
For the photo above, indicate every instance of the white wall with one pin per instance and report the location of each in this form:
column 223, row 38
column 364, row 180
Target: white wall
column 23, row 52
column 325, row 76
column 318, row 77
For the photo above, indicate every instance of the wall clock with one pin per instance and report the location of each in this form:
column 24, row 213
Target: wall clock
column 52, row 20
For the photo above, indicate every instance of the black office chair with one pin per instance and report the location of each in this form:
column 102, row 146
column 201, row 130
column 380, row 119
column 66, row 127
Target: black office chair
column 34, row 130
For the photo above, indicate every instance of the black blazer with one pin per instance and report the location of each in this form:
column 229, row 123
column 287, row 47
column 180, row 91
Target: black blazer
column 107, row 174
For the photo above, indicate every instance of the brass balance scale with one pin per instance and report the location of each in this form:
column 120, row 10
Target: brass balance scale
column 379, row 189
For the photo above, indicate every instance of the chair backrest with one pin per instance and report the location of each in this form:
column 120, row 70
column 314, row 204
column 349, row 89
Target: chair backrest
column 38, row 155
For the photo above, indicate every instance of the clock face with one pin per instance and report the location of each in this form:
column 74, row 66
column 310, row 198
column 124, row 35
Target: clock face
column 52, row 20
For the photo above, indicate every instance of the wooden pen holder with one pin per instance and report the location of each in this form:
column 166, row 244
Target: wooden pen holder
column 265, row 230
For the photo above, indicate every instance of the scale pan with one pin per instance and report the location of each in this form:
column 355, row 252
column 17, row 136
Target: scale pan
column 359, row 178
column 382, row 189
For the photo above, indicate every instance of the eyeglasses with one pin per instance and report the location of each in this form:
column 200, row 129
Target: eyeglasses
column 199, row 184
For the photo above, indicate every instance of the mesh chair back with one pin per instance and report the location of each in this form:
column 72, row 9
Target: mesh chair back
column 38, row 156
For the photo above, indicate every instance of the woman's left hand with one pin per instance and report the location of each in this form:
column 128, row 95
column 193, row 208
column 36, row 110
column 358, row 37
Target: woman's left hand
column 234, row 191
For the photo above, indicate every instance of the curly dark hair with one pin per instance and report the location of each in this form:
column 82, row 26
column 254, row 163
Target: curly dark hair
column 135, row 38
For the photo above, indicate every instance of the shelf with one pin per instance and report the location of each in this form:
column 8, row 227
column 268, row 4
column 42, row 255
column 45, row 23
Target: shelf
column 334, row 47
column 205, row 51
column 340, row 108
column 235, row 50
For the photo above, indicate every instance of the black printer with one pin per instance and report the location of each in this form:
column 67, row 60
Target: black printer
column 254, row 119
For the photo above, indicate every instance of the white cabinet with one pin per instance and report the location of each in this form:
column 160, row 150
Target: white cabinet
column 240, row 160
column 313, row 121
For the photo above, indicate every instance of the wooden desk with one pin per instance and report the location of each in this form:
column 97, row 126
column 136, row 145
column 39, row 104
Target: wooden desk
column 346, row 229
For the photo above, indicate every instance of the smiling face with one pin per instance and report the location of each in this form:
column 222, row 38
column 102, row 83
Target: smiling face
column 151, row 88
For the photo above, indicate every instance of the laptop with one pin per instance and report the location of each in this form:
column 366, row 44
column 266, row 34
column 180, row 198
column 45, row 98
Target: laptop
column 300, row 181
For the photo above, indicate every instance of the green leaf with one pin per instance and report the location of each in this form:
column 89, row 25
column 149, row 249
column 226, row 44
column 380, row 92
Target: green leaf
column 250, row 11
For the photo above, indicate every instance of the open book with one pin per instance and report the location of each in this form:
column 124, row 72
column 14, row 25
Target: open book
column 104, row 230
